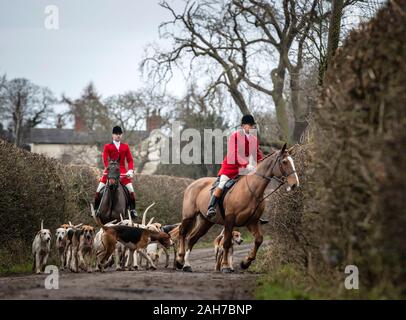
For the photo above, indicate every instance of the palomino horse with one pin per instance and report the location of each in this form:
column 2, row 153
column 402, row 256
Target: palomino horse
column 243, row 206
column 114, row 199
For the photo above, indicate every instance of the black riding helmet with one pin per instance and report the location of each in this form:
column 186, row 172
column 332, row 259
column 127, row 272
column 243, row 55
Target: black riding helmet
column 248, row 119
column 117, row 130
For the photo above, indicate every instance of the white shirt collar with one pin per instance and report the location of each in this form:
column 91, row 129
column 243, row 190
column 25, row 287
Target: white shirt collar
column 117, row 144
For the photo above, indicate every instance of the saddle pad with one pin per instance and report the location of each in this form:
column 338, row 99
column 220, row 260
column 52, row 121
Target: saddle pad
column 227, row 187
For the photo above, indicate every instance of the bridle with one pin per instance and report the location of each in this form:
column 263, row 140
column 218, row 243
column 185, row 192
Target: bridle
column 281, row 181
column 283, row 172
column 116, row 180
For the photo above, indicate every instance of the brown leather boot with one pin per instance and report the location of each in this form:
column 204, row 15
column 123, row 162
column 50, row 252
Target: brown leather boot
column 211, row 210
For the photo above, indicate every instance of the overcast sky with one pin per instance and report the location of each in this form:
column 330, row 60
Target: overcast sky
column 98, row 40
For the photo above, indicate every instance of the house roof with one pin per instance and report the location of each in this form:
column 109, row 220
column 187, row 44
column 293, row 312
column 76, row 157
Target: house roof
column 70, row 136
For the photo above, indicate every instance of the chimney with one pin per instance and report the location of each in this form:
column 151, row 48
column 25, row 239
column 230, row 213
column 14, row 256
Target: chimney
column 79, row 120
column 154, row 121
column 59, row 123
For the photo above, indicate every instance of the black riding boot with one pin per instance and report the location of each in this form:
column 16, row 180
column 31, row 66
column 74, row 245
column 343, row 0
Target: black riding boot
column 211, row 210
column 133, row 212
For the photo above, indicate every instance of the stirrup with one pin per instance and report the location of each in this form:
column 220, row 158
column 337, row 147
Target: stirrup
column 263, row 221
column 211, row 212
column 133, row 214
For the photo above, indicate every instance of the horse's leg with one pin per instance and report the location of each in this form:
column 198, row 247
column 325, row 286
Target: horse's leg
column 184, row 229
column 254, row 228
column 200, row 229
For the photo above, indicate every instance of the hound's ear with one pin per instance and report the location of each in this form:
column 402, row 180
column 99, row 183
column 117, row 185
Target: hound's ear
column 283, row 148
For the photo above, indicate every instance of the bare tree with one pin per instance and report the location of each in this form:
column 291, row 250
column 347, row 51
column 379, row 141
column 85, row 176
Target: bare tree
column 89, row 109
column 235, row 35
column 25, row 105
column 205, row 33
column 126, row 110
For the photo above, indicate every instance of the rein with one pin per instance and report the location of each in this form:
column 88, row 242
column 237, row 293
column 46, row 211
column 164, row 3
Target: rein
column 280, row 180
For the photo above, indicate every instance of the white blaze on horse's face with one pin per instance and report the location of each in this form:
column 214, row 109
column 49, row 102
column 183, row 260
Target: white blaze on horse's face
column 293, row 179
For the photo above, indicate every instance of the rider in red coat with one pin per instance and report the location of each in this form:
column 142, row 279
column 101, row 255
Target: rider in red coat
column 114, row 150
column 241, row 145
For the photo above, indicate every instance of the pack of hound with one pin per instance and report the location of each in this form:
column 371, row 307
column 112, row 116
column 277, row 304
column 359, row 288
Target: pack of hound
column 122, row 245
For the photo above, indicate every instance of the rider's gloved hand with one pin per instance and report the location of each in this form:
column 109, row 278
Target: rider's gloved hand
column 250, row 168
column 130, row 173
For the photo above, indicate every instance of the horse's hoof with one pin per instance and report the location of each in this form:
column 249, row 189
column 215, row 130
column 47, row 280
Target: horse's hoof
column 244, row 265
column 179, row 265
column 187, row 269
column 226, row 270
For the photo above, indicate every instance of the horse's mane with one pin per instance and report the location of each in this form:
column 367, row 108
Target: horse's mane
column 266, row 157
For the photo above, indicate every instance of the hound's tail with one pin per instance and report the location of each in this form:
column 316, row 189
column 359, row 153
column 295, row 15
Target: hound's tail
column 144, row 215
column 96, row 219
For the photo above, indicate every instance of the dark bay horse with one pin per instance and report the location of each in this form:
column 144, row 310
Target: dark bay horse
column 242, row 205
column 114, row 200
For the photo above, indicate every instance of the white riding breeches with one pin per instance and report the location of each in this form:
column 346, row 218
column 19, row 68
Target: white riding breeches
column 223, row 180
column 129, row 186
column 100, row 186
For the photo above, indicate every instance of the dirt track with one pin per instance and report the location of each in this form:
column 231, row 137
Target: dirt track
column 163, row 283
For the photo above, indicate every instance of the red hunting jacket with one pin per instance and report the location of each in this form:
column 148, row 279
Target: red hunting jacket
column 110, row 152
column 239, row 148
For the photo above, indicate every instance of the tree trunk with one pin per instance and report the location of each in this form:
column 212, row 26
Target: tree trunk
column 278, row 79
column 334, row 29
column 18, row 121
column 239, row 100
column 298, row 110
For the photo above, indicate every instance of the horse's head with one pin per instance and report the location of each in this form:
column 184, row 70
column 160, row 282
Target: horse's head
column 287, row 168
column 279, row 165
column 113, row 172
